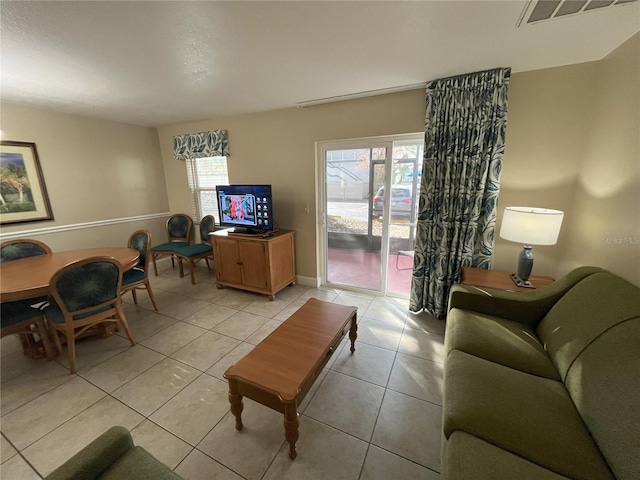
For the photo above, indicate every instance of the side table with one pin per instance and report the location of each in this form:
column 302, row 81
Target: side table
column 479, row 277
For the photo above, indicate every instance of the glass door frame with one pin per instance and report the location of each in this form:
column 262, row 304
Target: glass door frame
column 321, row 204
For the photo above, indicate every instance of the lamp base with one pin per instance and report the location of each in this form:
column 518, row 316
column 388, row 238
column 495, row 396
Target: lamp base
column 521, row 283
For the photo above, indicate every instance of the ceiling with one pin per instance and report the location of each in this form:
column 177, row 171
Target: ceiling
column 157, row 63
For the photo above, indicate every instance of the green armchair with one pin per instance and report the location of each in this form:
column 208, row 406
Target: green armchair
column 113, row 456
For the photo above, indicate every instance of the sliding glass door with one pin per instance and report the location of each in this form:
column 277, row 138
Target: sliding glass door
column 406, row 172
column 363, row 229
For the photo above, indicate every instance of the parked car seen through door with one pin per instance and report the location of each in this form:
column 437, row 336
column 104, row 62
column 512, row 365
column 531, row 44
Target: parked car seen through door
column 401, row 201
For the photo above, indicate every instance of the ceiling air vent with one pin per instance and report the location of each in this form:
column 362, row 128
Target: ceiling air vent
column 540, row 10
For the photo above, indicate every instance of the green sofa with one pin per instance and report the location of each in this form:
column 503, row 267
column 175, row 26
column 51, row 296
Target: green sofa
column 544, row 384
column 113, row 456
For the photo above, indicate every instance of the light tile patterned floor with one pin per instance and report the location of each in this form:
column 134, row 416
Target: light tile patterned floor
column 372, row 415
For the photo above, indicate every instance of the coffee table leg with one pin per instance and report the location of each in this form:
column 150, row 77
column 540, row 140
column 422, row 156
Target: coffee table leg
column 353, row 333
column 291, row 424
column 235, row 400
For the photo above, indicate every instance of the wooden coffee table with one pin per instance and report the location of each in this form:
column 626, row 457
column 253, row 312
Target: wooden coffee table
column 281, row 369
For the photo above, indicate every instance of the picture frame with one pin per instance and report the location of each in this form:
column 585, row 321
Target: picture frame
column 23, row 193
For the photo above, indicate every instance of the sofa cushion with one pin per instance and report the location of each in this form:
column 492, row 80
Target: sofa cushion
column 470, row 457
column 604, row 383
column 532, row 417
column 139, row 464
column 93, row 460
column 501, row 341
column 583, row 313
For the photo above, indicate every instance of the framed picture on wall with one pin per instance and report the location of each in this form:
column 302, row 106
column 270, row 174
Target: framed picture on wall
column 23, row 194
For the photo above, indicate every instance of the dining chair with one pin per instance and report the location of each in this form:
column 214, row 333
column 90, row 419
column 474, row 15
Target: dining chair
column 179, row 228
column 22, row 248
column 137, row 278
column 192, row 253
column 20, row 317
column 404, row 253
column 84, row 294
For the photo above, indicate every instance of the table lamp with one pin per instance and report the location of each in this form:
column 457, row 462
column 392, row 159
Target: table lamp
column 531, row 226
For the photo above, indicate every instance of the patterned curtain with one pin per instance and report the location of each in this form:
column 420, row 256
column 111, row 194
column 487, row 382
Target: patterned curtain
column 465, row 127
column 201, row 145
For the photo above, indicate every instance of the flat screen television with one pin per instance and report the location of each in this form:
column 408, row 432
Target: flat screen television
column 249, row 208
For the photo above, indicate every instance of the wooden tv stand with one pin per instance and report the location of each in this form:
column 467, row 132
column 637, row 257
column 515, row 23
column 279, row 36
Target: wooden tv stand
column 261, row 264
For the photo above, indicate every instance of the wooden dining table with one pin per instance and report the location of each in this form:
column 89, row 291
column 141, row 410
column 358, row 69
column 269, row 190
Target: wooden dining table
column 29, row 277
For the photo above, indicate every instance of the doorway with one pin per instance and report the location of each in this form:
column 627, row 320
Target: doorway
column 367, row 236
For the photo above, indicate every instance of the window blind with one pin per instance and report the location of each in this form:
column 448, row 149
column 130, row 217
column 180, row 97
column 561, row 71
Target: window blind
column 203, row 175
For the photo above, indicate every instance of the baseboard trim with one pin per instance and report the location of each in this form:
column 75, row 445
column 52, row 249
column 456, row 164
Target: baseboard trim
column 308, row 281
column 80, row 226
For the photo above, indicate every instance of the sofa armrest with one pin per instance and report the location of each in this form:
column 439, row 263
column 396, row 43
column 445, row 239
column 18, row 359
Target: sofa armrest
column 94, row 459
column 527, row 308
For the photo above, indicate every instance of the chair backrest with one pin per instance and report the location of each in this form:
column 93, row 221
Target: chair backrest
column 22, row 248
column 179, row 228
column 206, row 225
column 87, row 285
column 140, row 240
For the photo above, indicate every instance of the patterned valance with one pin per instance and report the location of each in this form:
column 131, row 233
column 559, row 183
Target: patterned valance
column 203, row 144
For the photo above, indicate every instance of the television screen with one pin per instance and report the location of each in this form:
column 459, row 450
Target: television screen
column 248, row 207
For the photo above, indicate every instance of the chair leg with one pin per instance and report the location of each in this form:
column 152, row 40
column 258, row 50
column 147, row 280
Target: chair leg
column 125, row 325
column 43, row 331
column 155, row 268
column 192, row 265
column 71, row 349
column 180, row 269
column 135, row 297
column 24, row 340
column 150, row 292
column 56, row 339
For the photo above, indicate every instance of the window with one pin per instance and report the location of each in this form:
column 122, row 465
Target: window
column 203, row 175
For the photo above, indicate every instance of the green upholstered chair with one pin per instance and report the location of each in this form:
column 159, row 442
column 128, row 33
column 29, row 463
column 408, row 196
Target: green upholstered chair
column 138, row 277
column 20, row 317
column 84, row 294
column 113, row 456
column 192, row 253
column 179, row 228
column 22, row 248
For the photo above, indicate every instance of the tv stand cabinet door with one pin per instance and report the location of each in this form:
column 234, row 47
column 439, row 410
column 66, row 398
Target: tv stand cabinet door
column 281, row 263
column 254, row 264
column 227, row 260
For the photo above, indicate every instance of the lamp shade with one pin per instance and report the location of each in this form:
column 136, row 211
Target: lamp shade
column 531, row 226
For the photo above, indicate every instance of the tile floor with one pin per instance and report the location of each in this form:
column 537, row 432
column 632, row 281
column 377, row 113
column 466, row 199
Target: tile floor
column 372, row 415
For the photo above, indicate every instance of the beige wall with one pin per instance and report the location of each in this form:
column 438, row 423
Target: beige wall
column 548, row 120
column 573, row 144
column 560, row 122
column 95, row 171
column 605, row 226
column 278, row 148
